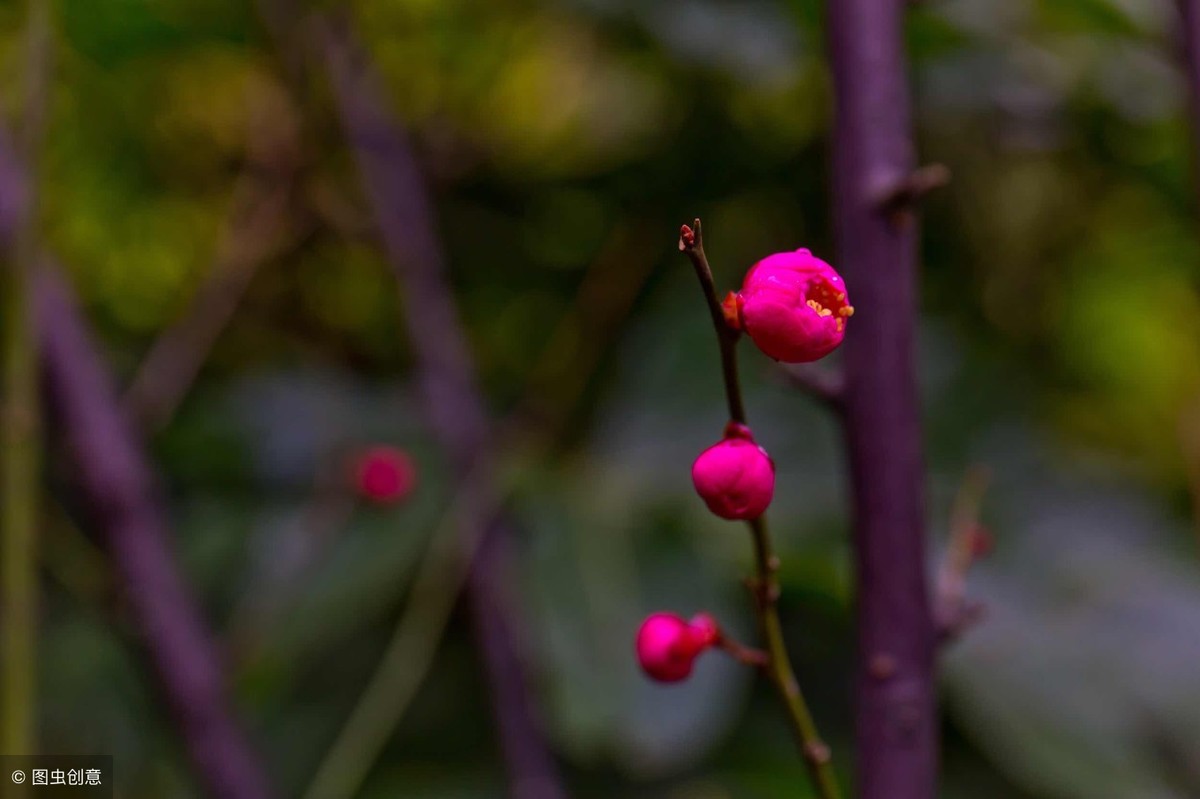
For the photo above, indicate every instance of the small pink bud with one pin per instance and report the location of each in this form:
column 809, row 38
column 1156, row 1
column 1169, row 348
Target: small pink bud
column 385, row 475
column 735, row 477
column 667, row 646
column 794, row 306
column 687, row 237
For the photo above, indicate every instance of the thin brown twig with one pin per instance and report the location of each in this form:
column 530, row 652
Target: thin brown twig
column 742, row 653
column 258, row 226
column 612, row 283
column 691, row 244
column 766, row 583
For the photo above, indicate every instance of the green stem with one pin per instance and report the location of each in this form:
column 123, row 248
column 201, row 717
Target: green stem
column 21, row 459
column 779, row 666
column 18, row 521
column 766, row 584
column 414, row 642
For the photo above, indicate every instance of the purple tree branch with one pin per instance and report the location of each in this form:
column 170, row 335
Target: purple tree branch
column 874, row 186
column 453, row 404
column 118, row 490
column 1189, row 11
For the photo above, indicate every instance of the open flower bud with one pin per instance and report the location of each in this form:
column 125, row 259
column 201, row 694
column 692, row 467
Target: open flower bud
column 735, row 477
column 667, row 646
column 794, row 306
column 384, row 475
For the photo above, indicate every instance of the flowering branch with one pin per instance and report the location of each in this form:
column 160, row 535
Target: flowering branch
column 765, row 583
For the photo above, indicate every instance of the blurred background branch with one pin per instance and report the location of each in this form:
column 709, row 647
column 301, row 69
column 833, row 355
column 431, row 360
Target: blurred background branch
column 21, row 464
column 455, row 412
column 116, row 486
column 260, row 225
column 118, row 490
column 954, row 612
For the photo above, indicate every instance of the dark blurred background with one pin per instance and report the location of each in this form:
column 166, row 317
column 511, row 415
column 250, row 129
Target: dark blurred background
column 563, row 144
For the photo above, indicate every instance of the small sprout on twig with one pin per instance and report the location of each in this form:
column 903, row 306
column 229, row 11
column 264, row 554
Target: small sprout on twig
column 897, row 199
column 913, row 187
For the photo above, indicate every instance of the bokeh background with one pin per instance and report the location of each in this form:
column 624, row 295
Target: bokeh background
column 563, row 144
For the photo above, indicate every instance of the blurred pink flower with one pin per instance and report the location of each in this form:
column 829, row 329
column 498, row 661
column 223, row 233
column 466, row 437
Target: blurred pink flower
column 667, row 646
column 385, row 475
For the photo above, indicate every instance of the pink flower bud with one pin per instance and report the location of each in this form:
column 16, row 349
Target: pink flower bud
column 735, row 477
column 794, row 306
column 667, row 646
column 384, row 475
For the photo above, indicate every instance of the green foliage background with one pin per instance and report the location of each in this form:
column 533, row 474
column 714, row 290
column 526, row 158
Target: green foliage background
column 564, row 143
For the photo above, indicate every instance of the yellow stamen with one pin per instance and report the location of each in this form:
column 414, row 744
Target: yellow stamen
column 819, row 308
